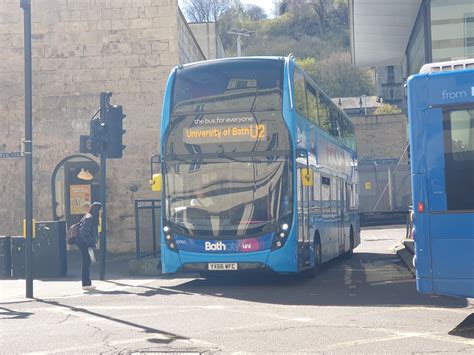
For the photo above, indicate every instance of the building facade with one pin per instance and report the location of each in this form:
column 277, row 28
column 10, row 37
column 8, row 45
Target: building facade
column 81, row 48
column 399, row 37
column 418, row 32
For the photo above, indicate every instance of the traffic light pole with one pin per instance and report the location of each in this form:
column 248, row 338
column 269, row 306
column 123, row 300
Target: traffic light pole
column 104, row 102
column 105, row 140
column 26, row 6
column 103, row 200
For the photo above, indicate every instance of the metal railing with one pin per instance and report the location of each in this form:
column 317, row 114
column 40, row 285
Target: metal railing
column 147, row 227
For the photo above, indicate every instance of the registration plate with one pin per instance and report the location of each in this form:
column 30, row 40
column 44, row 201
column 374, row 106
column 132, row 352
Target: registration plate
column 222, row 266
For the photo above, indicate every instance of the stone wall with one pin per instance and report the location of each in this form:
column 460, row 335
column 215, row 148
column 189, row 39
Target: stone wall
column 207, row 36
column 189, row 50
column 381, row 136
column 81, row 48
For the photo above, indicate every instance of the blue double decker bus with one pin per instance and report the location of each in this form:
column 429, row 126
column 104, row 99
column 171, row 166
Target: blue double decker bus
column 441, row 121
column 258, row 169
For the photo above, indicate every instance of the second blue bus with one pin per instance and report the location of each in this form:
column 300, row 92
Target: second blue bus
column 441, row 117
column 258, row 169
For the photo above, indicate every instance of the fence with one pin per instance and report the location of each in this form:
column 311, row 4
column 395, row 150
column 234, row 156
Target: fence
column 147, row 227
column 385, row 188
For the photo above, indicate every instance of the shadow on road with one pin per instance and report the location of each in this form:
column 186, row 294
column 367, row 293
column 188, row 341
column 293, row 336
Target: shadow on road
column 6, row 313
column 368, row 279
column 167, row 337
column 465, row 329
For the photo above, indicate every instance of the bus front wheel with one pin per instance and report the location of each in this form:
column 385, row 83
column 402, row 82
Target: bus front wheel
column 350, row 252
column 317, row 256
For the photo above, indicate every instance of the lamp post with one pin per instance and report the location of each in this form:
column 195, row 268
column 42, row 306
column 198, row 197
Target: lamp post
column 240, row 33
column 28, row 144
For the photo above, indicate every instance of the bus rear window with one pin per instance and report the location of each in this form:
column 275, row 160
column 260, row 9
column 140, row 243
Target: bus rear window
column 459, row 157
column 246, row 85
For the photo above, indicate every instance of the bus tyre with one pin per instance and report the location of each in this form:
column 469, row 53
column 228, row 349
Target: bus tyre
column 349, row 253
column 317, row 257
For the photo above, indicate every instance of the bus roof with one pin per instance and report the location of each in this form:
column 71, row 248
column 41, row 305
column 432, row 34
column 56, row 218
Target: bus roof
column 211, row 61
column 448, row 66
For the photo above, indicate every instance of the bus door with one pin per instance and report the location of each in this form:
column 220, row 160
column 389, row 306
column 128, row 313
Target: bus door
column 451, row 200
column 340, row 202
column 303, row 219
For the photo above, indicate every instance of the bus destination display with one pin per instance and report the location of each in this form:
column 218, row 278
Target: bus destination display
column 224, row 129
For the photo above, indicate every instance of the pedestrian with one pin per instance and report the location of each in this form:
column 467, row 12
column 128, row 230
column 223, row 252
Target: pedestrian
column 88, row 236
column 86, row 206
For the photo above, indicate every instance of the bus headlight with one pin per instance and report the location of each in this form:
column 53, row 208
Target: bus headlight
column 170, row 242
column 281, row 236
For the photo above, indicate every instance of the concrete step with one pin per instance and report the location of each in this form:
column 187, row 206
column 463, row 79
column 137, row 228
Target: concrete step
column 409, row 245
column 150, row 266
column 406, row 252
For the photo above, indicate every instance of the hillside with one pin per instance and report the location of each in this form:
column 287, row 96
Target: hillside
column 316, row 33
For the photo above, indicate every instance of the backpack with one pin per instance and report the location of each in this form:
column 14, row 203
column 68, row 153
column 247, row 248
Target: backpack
column 73, row 233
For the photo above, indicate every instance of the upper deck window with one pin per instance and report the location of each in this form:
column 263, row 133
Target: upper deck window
column 246, row 85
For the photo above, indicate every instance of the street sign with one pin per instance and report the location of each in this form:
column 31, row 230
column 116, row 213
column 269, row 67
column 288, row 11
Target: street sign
column 10, row 155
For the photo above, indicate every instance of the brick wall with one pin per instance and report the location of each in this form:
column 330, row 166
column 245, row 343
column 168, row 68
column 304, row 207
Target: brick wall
column 80, row 48
column 381, row 137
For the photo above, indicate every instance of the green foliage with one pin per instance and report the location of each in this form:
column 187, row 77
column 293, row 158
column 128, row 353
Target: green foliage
column 309, row 65
column 337, row 77
column 316, row 31
column 387, row 109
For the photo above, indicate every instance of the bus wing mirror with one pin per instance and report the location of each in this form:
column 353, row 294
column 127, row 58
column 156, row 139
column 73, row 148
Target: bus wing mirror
column 301, row 153
column 156, row 182
column 307, row 177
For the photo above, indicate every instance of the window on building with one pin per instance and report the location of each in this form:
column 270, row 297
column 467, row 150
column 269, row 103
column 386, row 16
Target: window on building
column 452, row 29
column 416, row 51
column 390, row 74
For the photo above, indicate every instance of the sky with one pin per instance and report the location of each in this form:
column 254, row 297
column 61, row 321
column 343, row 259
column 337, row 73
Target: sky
column 267, row 5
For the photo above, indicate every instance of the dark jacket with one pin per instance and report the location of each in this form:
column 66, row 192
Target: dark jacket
column 88, row 234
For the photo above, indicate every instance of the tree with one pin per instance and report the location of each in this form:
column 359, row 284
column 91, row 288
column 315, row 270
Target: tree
column 322, row 9
column 205, row 10
column 337, row 77
column 387, row 109
column 255, row 13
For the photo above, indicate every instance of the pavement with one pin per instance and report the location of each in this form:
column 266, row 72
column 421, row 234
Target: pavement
column 117, row 272
column 120, row 269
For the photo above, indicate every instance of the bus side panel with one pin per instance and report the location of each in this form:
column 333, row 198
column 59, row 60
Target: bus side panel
column 453, row 253
column 285, row 259
column 170, row 262
column 422, row 237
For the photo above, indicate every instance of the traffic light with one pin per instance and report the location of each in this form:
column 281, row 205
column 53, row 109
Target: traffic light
column 86, row 144
column 106, row 131
column 114, row 130
column 98, row 136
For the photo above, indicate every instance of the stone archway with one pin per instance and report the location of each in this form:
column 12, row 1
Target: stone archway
column 74, row 181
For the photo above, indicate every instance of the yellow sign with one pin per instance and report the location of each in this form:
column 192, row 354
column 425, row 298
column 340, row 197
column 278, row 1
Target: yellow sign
column 79, row 194
column 225, row 134
column 307, row 177
column 156, row 182
column 368, row 185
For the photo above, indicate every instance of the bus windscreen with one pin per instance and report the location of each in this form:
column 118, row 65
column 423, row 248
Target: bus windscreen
column 246, row 85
